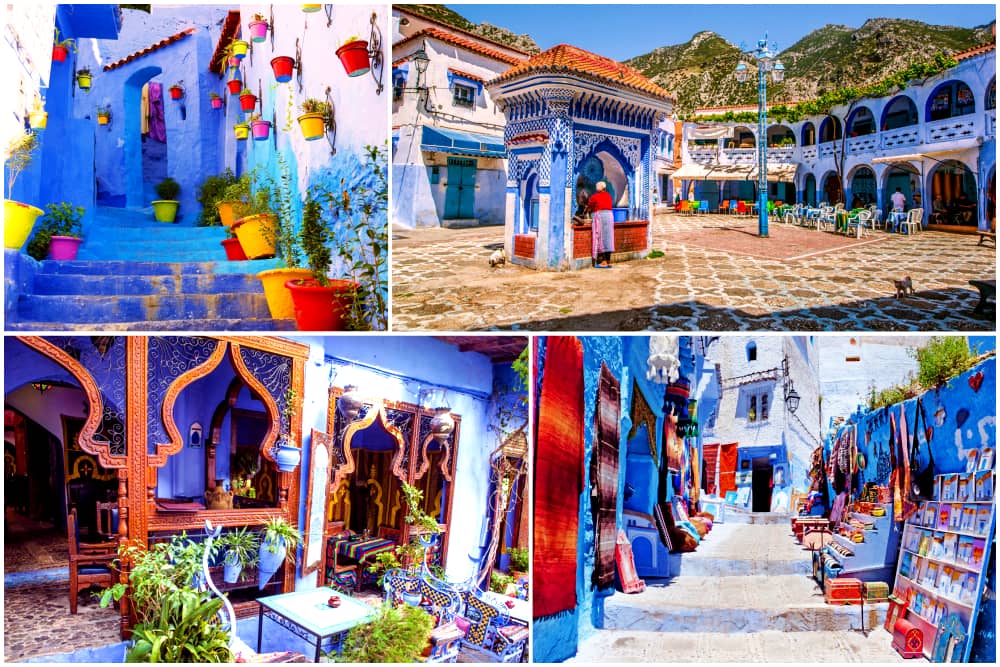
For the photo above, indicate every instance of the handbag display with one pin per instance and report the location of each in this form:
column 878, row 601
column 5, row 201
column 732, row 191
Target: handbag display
column 921, row 480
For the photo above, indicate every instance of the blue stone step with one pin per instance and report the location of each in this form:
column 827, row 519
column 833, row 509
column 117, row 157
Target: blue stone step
column 110, row 285
column 207, row 325
column 162, row 252
column 129, row 268
column 81, row 309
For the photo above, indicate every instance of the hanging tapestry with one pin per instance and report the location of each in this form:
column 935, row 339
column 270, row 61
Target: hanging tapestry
column 672, row 443
column 604, row 476
column 558, row 476
column 643, row 414
column 631, row 583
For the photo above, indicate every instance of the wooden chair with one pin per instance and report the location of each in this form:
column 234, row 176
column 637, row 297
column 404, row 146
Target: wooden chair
column 89, row 564
column 107, row 520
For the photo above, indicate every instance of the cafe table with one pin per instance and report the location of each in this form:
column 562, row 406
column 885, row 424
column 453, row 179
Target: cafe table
column 307, row 614
column 517, row 609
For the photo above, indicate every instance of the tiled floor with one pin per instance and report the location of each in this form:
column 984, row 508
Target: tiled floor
column 713, row 281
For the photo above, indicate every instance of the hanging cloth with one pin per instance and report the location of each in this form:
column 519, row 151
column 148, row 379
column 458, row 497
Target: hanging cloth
column 144, row 110
column 157, row 125
column 897, row 497
column 604, row 476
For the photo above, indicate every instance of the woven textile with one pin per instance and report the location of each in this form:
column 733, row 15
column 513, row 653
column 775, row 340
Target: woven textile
column 631, row 583
column 604, row 475
column 558, row 476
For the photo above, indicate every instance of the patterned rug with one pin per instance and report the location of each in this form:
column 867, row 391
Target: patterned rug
column 604, row 476
column 558, row 477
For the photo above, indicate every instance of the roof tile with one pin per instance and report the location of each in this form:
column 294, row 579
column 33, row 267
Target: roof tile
column 461, row 42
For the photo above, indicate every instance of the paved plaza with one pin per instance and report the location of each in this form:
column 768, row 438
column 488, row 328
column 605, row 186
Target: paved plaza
column 715, row 275
column 744, row 596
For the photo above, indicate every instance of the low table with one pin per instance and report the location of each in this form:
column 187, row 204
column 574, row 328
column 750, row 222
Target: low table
column 521, row 611
column 307, row 615
column 987, row 289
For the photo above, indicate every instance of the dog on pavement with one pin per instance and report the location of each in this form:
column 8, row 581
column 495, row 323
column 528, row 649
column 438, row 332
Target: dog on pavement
column 904, row 287
column 498, row 258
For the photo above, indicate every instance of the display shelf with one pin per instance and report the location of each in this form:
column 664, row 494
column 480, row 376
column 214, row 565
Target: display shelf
column 875, row 558
column 966, row 575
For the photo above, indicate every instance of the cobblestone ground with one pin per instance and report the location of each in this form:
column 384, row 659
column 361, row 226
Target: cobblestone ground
column 722, row 609
column 442, row 281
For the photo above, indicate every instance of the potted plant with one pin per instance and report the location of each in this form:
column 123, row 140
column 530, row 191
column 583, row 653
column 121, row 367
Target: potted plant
column 241, row 547
column 282, row 67
column 353, row 56
column 248, row 101
column 241, row 131
column 83, row 78
column 231, row 244
column 258, row 28
column 61, row 48
column 320, row 304
column 18, row 218
column 103, row 115
column 59, row 234
column 285, row 241
column 288, row 455
column 216, row 100
column 177, row 91
column 186, row 630
column 396, row 635
column 500, row 582
column 234, row 83
column 256, row 229
column 280, row 542
column 38, row 117
column 165, row 208
column 233, row 198
column 518, row 562
column 309, row 9
column 261, row 129
column 315, row 118
column 238, row 49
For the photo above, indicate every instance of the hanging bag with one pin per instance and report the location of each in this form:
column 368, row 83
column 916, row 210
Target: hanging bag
column 921, row 478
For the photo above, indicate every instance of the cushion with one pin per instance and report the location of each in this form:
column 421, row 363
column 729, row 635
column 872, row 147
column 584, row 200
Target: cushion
column 463, row 624
column 514, row 633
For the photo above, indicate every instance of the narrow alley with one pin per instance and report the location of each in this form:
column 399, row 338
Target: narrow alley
column 745, row 595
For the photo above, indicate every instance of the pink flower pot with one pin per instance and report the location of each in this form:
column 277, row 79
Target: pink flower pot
column 64, row 248
column 258, row 31
column 216, row 102
column 261, row 129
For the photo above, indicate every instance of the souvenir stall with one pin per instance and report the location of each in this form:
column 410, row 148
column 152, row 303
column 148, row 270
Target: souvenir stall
column 913, row 513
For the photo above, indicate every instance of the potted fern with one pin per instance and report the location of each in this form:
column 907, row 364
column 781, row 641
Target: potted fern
column 165, row 208
column 59, row 234
column 279, row 543
column 18, row 218
column 241, row 547
column 314, row 119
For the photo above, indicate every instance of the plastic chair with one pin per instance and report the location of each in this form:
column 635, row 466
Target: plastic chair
column 733, row 207
column 859, row 220
column 741, row 208
column 703, row 206
column 914, row 219
column 724, row 206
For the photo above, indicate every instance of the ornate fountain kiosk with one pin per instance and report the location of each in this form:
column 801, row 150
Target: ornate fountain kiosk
column 575, row 118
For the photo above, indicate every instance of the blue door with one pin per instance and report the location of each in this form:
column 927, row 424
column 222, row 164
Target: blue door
column 460, row 196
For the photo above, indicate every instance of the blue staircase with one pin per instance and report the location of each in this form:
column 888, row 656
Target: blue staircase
column 135, row 274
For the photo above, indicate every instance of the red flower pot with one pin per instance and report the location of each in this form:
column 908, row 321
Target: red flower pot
column 176, row 92
column 234, row 251
column 321, row 308
column 282, row 66
column 354, row 57
column 235, row 86
column 59, row 53
column 248, row 102
column 216, row 102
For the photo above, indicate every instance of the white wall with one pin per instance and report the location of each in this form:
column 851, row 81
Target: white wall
column 25, row 57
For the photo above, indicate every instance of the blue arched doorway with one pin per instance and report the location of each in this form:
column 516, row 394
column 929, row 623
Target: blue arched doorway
column 132, row 95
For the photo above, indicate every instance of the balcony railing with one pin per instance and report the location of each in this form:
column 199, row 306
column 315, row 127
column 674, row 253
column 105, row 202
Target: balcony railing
column 781, row 154
column 809, row 153
column 703, row 154
column 739, row 155
column 829, row 148
column 868, row 142
column 901, row 136
column 951, row 129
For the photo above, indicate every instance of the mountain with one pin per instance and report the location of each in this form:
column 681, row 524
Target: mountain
column 700, row 71
column 448, row 16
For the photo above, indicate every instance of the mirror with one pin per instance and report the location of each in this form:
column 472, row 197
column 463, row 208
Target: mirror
column 319, row 477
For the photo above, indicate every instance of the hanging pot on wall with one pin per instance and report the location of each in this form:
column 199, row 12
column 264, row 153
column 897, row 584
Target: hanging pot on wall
column 216, row 102
column 442, row 424
column 232, row 568
column 176, row 92
column 59, row 53
column 258, row 31
column 235, row 86
column 313, row 126
column 241, row 130
column 282, row 67
column 309, row 9
column 38, row 119
column 350, row 402
column 354, row 57
column 261, row 129
column 84, row 79
column 239, row 49
column 103, row 118
column 270, row 557
column 287, row 457
column 248, row 102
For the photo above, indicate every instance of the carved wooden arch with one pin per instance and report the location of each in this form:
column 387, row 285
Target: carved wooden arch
column 102, row 450
column 376, row 413
column 270, row 405
column 425, row 462
column 224, row 406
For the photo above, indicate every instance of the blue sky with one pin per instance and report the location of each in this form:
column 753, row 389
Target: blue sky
column 621, row 31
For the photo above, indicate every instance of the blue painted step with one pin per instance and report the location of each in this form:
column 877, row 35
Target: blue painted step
column 132, row 268
column 176, row 284
column 162, row 325
column 142, row 308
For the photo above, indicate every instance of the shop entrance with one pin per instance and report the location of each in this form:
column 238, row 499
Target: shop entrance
column 761, row 484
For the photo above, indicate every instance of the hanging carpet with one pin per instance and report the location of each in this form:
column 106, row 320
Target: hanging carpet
column 631, row 583
column 558, row 477
column 604, row 476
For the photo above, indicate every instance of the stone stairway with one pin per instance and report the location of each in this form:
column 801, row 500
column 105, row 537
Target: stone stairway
column 135, row 274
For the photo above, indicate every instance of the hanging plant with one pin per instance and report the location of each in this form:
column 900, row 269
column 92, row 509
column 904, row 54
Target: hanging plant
column 316, row 118
column 83, row 78
column 261, row 128
column 235, row 86
column 310, row 9
column 258, row 28
column 238, row 49
column 61, row 49
column 354, row 56
column 38, row 117
column 177, row 91
column 103, row 115
column 216, row 100
column 241, row 130
column 248, row 101
column 282, row 67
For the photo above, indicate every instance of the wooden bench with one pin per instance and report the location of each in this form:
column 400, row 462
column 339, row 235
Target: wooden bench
column 987, row 236
column 987, row 290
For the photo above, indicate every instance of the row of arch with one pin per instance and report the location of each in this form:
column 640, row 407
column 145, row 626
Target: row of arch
column 950, row 99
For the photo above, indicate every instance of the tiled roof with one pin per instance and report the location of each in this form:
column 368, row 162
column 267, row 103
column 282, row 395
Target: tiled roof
column 149, row 49
column 229, row 30
column 454, row 29
column 975, row 51
column 566, row 58
column 461, row 42
column 466, row 75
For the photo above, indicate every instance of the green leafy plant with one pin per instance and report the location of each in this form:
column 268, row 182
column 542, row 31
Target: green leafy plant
column 84, row 71
column 276, row 529
column 315, row 241
column 246, row 91
column 893, row 395
column 396, row 634
column 68, row 44
column 415, row 514
column 941, row 359
column 313, row 105
column 500, row 581
column 214, row 96
column 62, row 219
column 186, row 629
column 240, row 544
column 20, row 152
column 103, row 110
column 518, row 559
column 211, row 191
column 258, row 17
column 168, row 189
column 286, row 235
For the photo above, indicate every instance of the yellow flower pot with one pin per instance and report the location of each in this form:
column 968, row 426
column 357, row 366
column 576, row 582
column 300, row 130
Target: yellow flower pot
column 230, row 211
column 279, row 299
column 83, row 80
column 257, row 235
column 313, row 126
column 38, row 119
column 165, row 210
column 103, row 120
column 242, row 131
column 309, row 9
column 239, row 48
column 18, row 219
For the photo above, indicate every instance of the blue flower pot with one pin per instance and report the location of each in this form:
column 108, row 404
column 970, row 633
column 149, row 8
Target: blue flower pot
column 288, row 458
column 232, row 568
column 412, row 599
column 270, row 561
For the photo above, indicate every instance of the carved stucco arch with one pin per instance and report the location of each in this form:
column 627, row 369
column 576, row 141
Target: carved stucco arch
column 425, row 462
column 377, row 413
column 102, row 450
column 165, row 450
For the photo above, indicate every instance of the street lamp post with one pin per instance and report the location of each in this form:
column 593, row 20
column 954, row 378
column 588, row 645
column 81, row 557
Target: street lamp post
column 766, row 62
